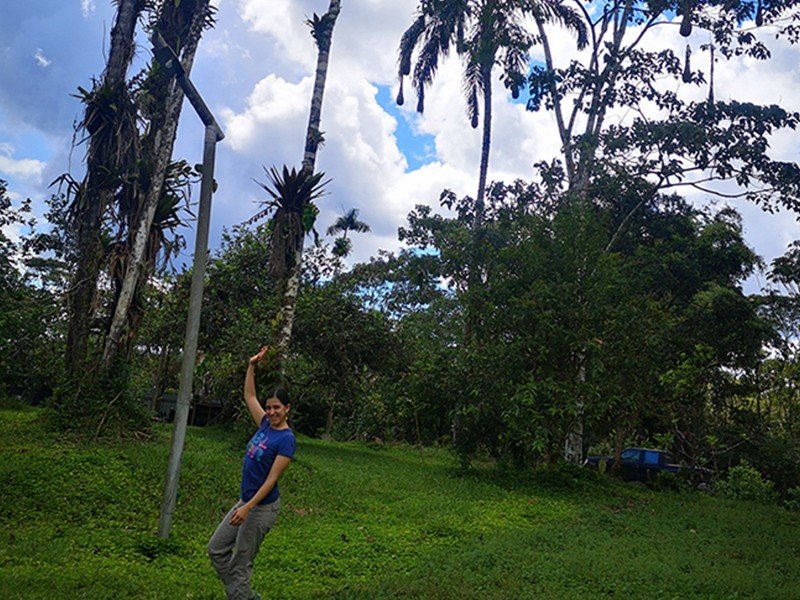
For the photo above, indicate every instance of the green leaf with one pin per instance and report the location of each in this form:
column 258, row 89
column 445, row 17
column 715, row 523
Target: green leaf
column 310, row 212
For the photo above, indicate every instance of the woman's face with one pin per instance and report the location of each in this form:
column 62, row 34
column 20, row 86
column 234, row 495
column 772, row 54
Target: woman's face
column 276, row 411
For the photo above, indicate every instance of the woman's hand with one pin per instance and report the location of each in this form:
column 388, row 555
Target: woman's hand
column 260, row 356
column 240, row 514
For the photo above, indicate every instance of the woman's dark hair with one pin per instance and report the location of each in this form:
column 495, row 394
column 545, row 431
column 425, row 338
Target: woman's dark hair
column 281, row 394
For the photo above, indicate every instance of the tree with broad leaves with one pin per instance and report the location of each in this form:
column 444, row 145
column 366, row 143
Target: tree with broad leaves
column 780, row 305
column 31, row 335
column 667, row 316
column 670, row 143
column 485, row 34
column 684, row 144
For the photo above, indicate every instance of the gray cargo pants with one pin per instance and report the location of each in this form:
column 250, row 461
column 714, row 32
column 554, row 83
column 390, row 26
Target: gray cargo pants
column 232, row 548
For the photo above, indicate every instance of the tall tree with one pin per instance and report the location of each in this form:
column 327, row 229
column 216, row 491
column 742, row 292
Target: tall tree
column 181, row 24
column 485, row 34
column 295, row 215
column 697, row 144
column 109, row 122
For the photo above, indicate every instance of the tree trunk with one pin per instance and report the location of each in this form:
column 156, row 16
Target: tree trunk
column 579, row 184
column 287, row 310
column 486, row 75
column 160, row 377
column 573, row 444
column 164, row 141
column 329, row 421
column 619, row 439
column 315, row 114
column 313, row 137
column 474, row 276
column 96, row 195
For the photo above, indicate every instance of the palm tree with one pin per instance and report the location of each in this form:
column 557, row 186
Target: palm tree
column 322, row 32
column 485, row 33
column 347, row 222
column 294, row 208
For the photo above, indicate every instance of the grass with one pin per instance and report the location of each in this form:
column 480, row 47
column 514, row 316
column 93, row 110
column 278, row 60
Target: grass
column 78, row 521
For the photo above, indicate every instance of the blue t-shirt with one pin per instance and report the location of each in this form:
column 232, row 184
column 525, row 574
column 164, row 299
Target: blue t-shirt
column 263, row 447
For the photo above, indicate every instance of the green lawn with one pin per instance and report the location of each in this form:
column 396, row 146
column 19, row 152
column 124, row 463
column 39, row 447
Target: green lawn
column 78, row 521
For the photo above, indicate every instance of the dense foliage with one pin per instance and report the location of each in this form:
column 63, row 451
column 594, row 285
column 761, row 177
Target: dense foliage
column 591, row 303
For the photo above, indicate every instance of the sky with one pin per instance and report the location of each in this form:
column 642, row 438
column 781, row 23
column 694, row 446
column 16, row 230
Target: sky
column 255, row 71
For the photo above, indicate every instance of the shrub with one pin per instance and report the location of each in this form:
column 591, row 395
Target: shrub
column 792, row 500
column 745, row 483
column 98, row 402
column 566, row 476
column 673, row 482
column 9, row 401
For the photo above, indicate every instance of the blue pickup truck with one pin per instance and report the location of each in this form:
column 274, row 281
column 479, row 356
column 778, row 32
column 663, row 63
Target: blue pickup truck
column 637, row 464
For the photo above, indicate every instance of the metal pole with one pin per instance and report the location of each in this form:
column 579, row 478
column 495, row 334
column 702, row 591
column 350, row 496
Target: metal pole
column 213, row 134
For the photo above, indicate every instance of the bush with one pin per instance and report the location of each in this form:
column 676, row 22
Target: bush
column 792, row 500
column 565, row 476
column 8, row 401
column 672, row 482
column 745, row 483
column 98, row 402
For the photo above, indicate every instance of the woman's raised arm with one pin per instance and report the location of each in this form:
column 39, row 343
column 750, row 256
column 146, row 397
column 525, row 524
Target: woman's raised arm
column 250, row 397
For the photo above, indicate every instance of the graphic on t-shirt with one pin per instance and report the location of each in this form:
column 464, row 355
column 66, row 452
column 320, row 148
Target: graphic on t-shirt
column 258, row 445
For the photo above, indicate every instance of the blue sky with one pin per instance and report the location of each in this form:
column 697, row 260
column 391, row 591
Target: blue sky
column 418, row 148
column 255, row 71
column 45, row 46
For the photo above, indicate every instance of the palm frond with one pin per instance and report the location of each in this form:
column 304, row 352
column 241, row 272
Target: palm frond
column 573, row 21
column 427, row 63
column 407, row 44
column 349, row 221
column 472, row 85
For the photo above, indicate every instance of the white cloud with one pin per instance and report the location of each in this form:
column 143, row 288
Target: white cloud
column 283, row 22
column 87, row 8
column 26, row 168
column 361, row 151
column 256, row 71
column 41, row 59
column 275, row 110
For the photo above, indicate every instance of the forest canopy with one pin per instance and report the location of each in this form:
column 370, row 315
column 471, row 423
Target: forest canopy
column 592, row 305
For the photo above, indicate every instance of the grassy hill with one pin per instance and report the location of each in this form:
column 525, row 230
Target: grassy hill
column 78, row 521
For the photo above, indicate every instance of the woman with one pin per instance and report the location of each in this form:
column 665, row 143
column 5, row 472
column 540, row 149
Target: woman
column 235, row 543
